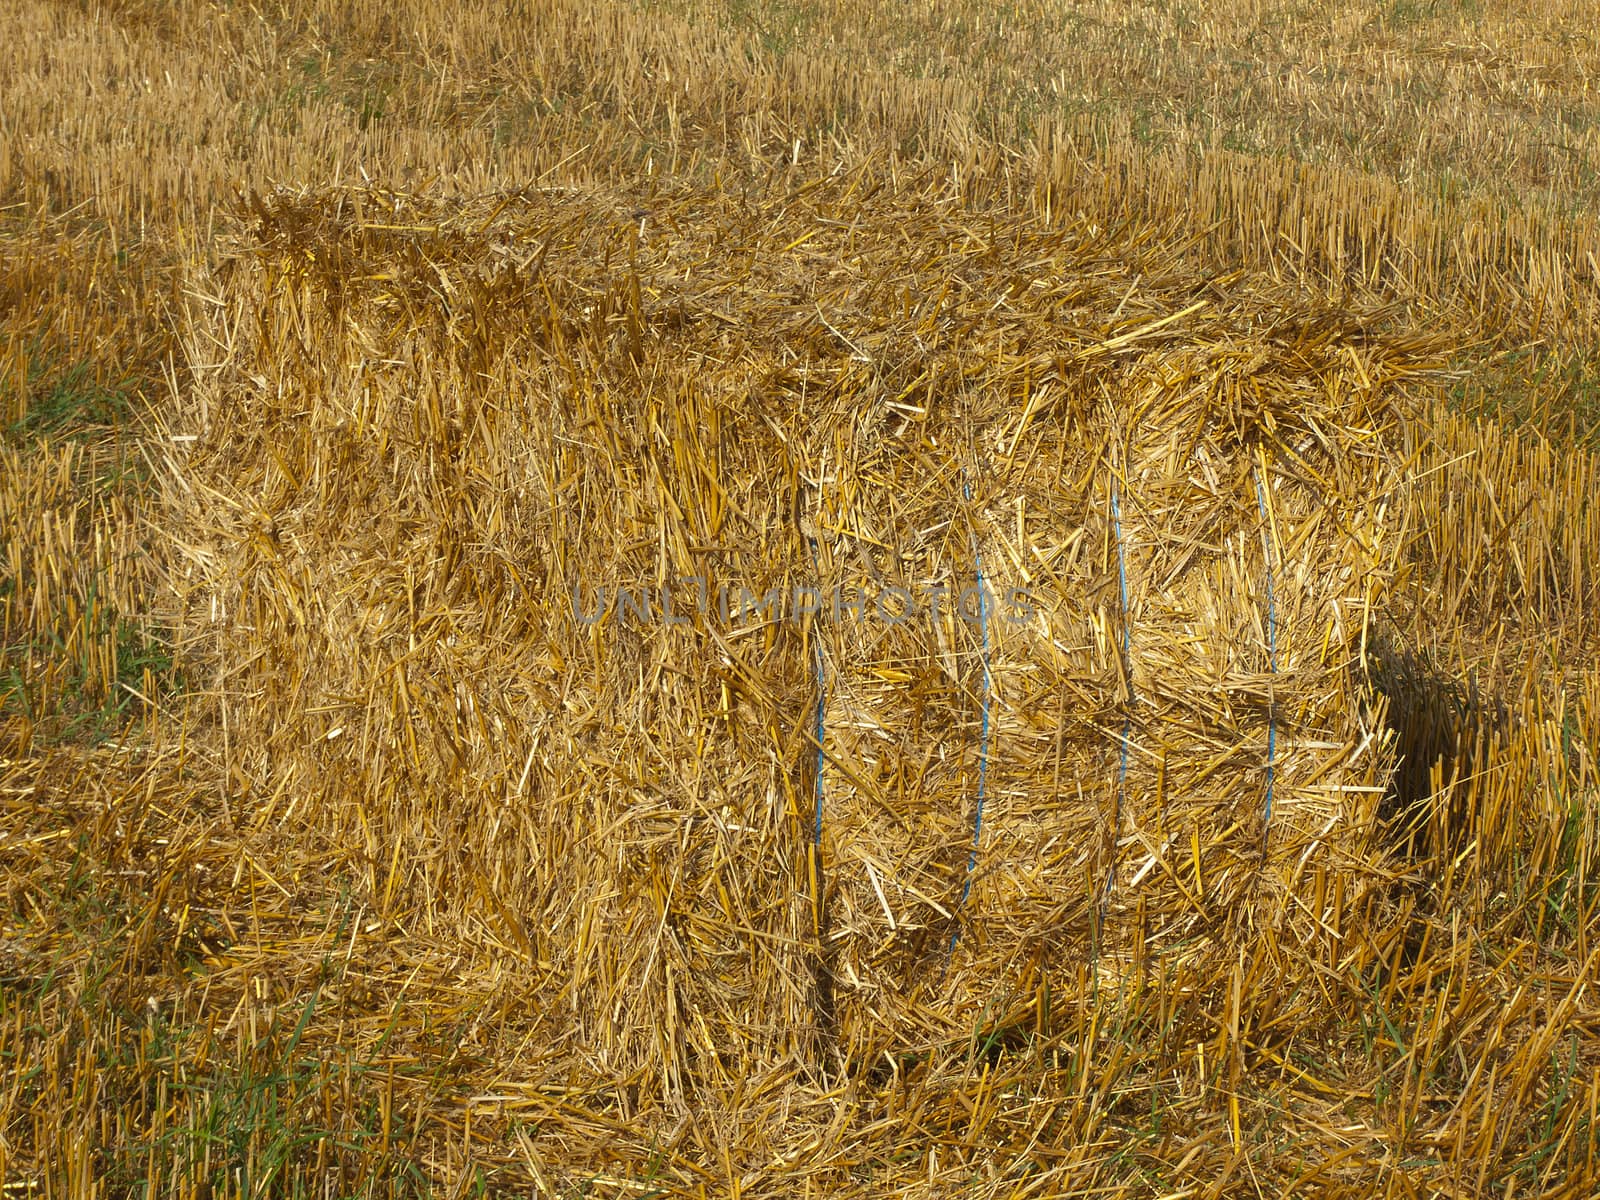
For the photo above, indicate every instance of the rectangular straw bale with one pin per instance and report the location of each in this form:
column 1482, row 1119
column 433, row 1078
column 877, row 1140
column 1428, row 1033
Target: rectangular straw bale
column 444, row 432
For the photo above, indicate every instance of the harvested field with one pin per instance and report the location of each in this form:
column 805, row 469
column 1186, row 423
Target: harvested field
column 698, row 600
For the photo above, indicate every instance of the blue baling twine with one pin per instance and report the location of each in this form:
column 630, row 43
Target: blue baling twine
column 822, row 707
column 1127, row 662
column 983, row 738
column 1272, row 650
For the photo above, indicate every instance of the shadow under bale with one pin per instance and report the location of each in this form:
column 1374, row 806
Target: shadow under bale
column 1441, row 725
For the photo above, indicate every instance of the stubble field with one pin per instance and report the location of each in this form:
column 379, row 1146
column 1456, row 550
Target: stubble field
column 787, row 599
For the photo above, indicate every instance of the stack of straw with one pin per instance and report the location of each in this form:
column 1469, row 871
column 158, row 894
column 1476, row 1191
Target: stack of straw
column 553, row 552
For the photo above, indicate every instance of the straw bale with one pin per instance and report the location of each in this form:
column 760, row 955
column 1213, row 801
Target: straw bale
column 434, row 435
